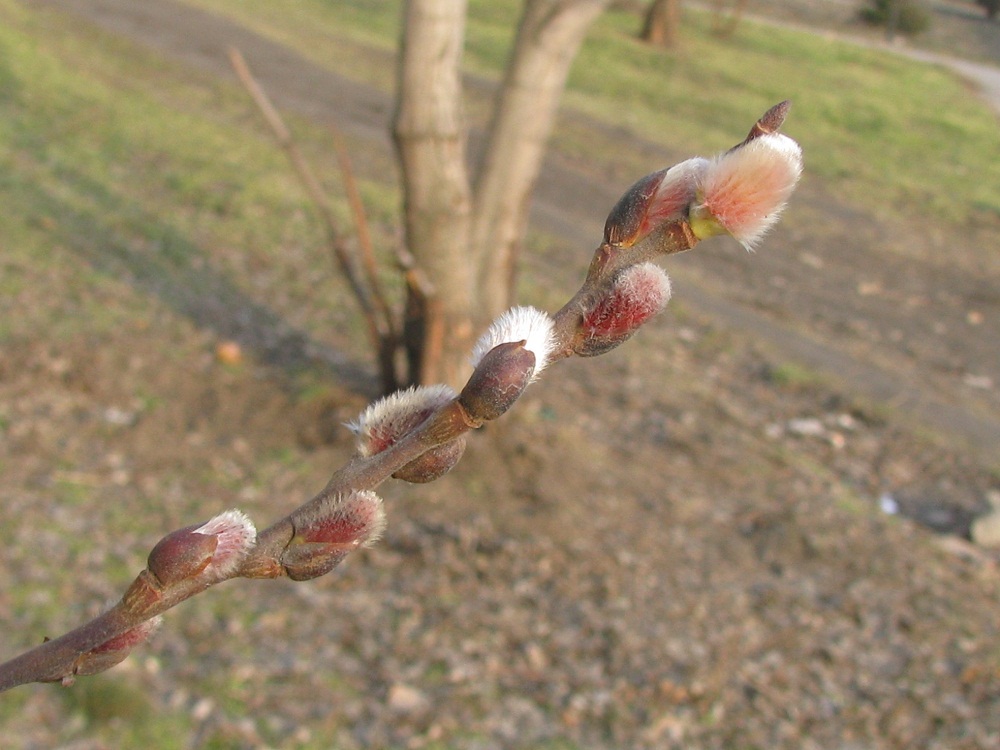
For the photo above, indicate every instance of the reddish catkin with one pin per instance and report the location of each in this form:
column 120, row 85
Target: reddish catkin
column 637, row 294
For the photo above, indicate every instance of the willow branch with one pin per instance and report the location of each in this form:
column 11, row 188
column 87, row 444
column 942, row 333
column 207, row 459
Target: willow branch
column 390, row 339
column 419, row 435
column 361, row 225
column 59, row 659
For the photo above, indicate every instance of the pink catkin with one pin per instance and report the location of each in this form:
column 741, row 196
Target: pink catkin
column 235, row 534
column 385, row 434
column 746, row 189
column 389, row 419
column 638, row 294
column 355, row 519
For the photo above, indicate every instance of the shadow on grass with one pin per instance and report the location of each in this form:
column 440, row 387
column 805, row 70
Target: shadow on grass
column 160, row 261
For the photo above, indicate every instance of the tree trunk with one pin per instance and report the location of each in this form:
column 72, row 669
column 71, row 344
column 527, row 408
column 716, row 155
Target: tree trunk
column 892, row 22
column 662, row 24
column 724, row 25
column 467, row 247
column 430, row 135
column 549, row 36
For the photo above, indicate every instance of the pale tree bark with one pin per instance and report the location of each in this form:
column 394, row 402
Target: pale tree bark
column 548, row 38
column 467, row 246
column 662, row 23
column 431, row 136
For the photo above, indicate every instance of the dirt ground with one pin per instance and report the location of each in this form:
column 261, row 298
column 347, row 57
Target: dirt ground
column 701, row 558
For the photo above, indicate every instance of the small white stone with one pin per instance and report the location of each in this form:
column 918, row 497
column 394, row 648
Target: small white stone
column 406, row 699
column 806, row 426
column 986, row 530
column 888, row 505
column 203, row 709
column 993, row 498
column 981, row 382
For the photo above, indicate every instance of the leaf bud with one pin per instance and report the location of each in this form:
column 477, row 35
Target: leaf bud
column 527, row 325
column 498, row 381
column 212, row 551
column 654, row 200
column 433, row 464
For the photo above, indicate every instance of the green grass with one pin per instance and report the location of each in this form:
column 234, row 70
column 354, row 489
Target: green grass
column 118, row 171
column 130, row 189
column 793, row 376
column 878, row 129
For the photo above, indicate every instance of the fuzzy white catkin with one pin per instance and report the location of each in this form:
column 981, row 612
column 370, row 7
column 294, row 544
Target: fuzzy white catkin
column 747, row 188
column 526, row 324
column 235, row 533
column 392, row 414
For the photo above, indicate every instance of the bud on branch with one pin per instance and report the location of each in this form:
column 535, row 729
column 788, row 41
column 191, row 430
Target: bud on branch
column 507, row 358
column 740, row 192
column 531, row 327
column 636, row 295
column 113, row 651
column 331, row 529
column 653, row 201
column 211, row 552
column 391, row 418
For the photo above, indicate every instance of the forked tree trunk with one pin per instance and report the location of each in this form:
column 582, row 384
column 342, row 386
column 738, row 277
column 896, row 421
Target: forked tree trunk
column 467, row 245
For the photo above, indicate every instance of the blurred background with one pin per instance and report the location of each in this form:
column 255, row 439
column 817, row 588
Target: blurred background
column 771, row 520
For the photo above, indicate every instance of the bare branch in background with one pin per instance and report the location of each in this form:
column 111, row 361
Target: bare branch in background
column 374, row 307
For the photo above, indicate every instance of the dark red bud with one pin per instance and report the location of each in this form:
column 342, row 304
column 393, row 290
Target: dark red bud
column 181, row 554
column 625, row 222
column 769, row 122
column 498, row 381
column 304, row 561
column 433, row 464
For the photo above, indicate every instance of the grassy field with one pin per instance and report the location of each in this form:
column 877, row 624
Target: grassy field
column 120, row 146
column 879, row 128
column 130, row 191
column 112, row 156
